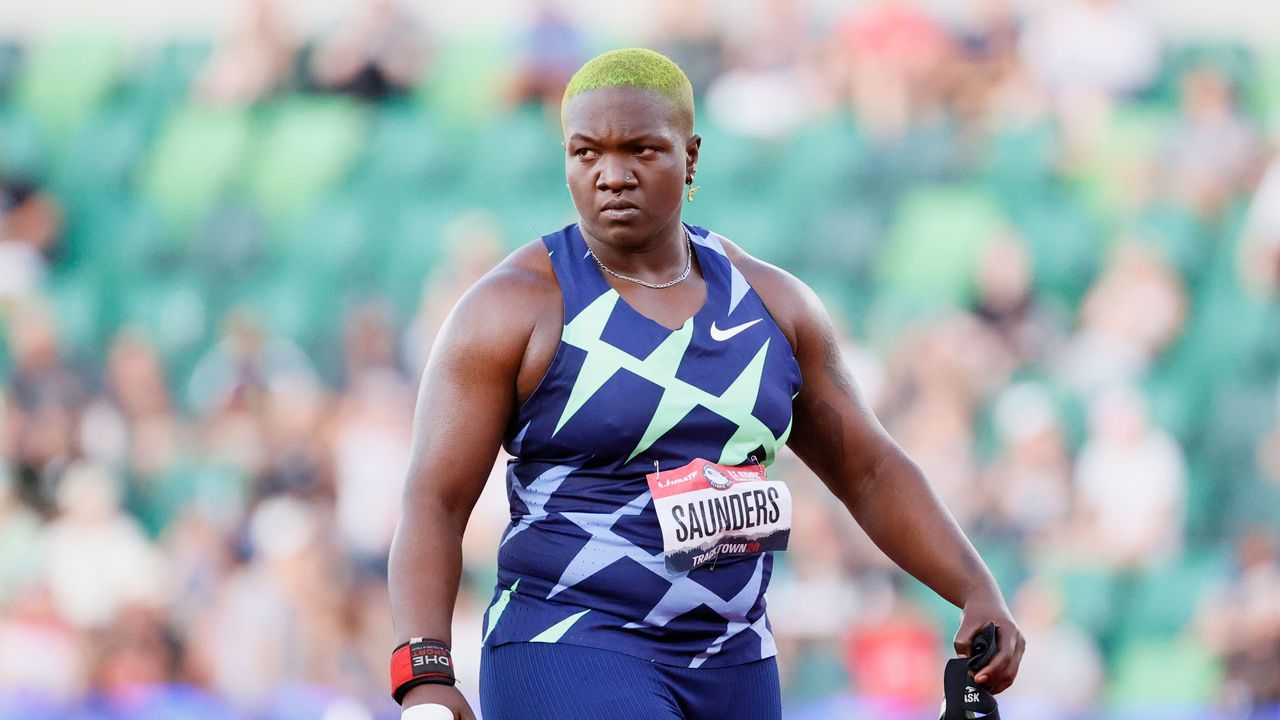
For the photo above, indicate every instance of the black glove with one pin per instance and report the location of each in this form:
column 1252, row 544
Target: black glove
column 964, row 699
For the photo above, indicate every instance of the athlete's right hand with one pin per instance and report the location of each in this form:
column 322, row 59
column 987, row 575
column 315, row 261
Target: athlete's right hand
column 445, row 695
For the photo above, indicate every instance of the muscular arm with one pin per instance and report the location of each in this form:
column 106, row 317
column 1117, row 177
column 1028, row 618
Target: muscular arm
column 840, row 439
column 466, row 398
column 837, row 435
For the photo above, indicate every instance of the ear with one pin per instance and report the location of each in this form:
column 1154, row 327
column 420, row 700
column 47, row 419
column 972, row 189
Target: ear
column 691, row 158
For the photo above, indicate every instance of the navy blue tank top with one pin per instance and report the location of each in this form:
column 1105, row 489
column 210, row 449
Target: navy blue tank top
column 582, row 559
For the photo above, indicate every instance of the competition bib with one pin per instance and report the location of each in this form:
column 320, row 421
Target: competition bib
column 708, row 510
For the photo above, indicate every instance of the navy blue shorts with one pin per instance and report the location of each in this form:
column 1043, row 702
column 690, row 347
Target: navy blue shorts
column 551, row 681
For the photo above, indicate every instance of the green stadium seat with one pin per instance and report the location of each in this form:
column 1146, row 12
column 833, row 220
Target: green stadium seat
column 1018, row 163
column 81, row 307
column 105, row 154
column 935, row 241
column 10, row 64
column 407, row 145
column 160, row 82
column 167, row 71
column 65, row 78
column 468, row 78
column 820, row 672
column 122, row 237
column 172, row 312
column 512, row 155
column 305, row 149
column 1163, row 601
column 195, row 162
column 21, row 149
column 303, row 307
column 1164, row 671
column 743, row 167
column 1178, row 235
column 1066, row 244
column 1266, row 99
column 1130, row 141
column 843, row 239
column 760, row 229
column 335, row 241
column 414, row 246
column 1091, row 598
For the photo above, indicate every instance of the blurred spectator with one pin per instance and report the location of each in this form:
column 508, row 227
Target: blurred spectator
column 769, row 86
column 371, row 435
column 43, row 397
column 815, row 598
column 553, row 47
column 1029, row 480
column 936, row 382
column 30, row 225
column 132, row 426
column 296, row 461
column 473, row 244
column 98, row 559
column 40, row 652
column 1062, row 672
column 1006, row 304
column 894, row 656
column 369, row 342
column 253, row 61
column 986, row 58
column 276, row 621
column 1260, row 249
column 1133, row 311
column 1212, row 150
column 1082, row 48
column 689, row 34
column 379, row 52
column 1241, row 624
column 21, row 541
column 238, row 371
column 136, row 652
column 1086, row 54
column 1131, row 481
column 890, row 55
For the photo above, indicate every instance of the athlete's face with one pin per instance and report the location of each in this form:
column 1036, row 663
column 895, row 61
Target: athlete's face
column 628, row 156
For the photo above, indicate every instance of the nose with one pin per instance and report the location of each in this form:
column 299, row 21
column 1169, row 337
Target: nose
column 615, row 175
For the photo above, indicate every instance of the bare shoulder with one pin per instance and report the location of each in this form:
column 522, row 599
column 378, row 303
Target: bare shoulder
column 795, row 307
column 510, row 301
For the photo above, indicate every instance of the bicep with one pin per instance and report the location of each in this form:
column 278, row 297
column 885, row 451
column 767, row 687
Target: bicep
column 465, row 401
column 835, row 431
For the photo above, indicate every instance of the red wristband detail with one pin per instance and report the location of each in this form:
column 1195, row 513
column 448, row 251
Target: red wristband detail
column 418, row 662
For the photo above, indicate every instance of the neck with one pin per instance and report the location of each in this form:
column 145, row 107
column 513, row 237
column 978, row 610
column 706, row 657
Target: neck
column 655, row 258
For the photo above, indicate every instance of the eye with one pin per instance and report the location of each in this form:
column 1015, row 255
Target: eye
column 586, row 153
column 646, row 152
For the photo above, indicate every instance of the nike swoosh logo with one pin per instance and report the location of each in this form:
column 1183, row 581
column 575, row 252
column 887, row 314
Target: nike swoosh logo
column 721, row 335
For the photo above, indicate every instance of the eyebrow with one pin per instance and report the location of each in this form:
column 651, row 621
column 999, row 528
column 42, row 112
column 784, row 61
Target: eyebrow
column 645, row 137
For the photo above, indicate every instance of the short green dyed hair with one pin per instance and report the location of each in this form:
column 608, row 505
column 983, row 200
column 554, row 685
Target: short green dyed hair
column 633, row 67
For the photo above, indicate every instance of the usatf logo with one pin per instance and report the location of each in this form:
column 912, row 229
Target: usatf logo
column 718, row 480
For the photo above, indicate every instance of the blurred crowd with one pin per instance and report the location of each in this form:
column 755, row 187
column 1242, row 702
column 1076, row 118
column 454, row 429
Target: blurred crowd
column 1098, row 408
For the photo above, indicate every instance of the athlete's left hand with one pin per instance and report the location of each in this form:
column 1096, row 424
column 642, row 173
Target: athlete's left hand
column 985, row 607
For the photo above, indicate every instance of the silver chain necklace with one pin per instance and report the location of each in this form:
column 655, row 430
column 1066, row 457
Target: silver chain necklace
column 688, row 265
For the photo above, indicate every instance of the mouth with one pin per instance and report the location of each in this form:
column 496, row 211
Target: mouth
column 619, row 209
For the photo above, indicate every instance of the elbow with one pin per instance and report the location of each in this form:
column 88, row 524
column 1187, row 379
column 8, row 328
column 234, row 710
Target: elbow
column 876, row 477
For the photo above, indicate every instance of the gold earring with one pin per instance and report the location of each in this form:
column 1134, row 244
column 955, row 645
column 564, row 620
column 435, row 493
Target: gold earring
column 693, row 190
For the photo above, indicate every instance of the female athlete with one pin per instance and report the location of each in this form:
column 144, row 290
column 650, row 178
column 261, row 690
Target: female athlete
column 643, row 372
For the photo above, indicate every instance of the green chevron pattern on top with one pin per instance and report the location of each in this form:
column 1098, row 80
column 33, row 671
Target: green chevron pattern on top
column 679, row 397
